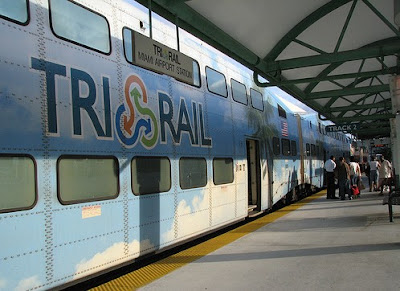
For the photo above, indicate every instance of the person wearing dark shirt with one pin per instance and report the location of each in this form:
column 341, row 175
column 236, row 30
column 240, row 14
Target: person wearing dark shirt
column 342, row 173
column 330, row 166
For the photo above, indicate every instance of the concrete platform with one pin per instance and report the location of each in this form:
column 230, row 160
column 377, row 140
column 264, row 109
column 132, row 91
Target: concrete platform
column 323, row 245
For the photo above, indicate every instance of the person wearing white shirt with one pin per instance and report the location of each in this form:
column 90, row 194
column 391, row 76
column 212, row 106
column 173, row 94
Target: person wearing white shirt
column 374, row 165
column 385, row 173
column 330, row 166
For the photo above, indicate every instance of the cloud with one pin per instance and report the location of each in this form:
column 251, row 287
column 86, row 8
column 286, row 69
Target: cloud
column 111, row 256
column 3, row 283
column 28, row 283
column 190, row 219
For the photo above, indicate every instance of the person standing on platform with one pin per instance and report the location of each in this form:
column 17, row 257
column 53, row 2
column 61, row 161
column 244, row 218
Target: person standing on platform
column 342, row 173
column 355, row 172
column 374, row 164
column 385, row 173
column 330, row 166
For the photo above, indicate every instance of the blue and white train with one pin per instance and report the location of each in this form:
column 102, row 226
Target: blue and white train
column 114, row 145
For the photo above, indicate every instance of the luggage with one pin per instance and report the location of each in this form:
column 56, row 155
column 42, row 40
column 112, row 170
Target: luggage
column 355, row 191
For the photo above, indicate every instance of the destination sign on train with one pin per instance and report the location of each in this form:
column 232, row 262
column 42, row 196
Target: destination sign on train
column 341, row 127
column 157, row 57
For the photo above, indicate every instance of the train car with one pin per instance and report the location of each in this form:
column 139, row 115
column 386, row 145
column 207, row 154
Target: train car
column 114, row 144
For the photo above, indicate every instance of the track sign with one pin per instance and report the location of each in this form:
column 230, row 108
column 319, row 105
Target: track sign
column 341, row 127
column 152, row 55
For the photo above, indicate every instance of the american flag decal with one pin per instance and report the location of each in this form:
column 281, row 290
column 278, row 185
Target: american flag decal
column 284, row 127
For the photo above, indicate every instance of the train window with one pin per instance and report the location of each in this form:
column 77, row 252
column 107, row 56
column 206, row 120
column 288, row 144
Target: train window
column 256, row 99
column 192, row 172
column 129, row 47
column 308, row 152
column 281, row 111
column 83, row 179
column 239, row 92
column 293, row 148
column 73, row 22
column 317, row 151
column 16, row 10
column 216, row 82
column 151, row 175
column 17, row 183
column 276, row 146
column 285, row 147
column 223, row 170
column 313, row 153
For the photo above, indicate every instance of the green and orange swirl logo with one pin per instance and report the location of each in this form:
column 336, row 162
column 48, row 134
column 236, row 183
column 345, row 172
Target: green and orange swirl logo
column 136, row 122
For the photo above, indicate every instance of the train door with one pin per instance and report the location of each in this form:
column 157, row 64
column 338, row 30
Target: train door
column 253, row 176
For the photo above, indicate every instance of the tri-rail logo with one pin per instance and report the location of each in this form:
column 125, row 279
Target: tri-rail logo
column 136, row 119
column 146, row 123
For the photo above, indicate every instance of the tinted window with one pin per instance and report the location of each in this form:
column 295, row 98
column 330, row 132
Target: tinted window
column 293, row 148
column 239, row 92
column 276, row 146
column 17, row 183
column 82, row 179
column 73, row 22
column 216, row 82
column 192, row 172
column 150, row 175
column 313, row 153
column 281, row 111
column 223, row 171
column 308, row 149
column 285, row 147
column 16, row 10
column 256, row 99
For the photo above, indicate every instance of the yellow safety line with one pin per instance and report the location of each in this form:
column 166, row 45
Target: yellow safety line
column 149, row 273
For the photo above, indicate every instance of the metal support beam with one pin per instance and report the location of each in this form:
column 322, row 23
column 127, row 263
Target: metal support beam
column 363, row 118
column 349, row 91
column 368, row 74
column 360, row 107
column 329, row 58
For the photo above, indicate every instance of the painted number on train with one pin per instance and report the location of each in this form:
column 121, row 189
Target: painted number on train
column 135, row 122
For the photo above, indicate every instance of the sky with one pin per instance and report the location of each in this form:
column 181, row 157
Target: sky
column 291, row 102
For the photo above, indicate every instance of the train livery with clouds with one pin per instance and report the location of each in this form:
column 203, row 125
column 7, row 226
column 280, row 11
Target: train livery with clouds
column 114, row 145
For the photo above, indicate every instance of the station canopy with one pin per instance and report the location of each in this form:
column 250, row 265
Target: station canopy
column 338, row 57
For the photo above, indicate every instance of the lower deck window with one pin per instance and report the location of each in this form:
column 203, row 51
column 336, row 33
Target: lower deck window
column 150, row 175
column 83, row 179
column 17, row 183
column 192, row 173
column 223, row 171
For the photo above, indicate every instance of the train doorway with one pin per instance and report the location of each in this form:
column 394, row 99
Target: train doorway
column 253, row 176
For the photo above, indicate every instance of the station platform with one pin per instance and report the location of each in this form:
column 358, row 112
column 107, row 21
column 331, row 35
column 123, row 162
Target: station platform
column 315, row 244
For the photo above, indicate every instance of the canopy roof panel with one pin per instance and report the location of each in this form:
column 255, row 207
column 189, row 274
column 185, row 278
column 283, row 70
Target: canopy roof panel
column 335, row 56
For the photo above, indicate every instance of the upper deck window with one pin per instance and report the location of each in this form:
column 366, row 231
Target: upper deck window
column 17, row 183
column 256, row 99
column 285, row 147
column 15, row 10
column 281, row 111
column 276, row 145
column 239, row 92
column 73, row 22
column 216, row 82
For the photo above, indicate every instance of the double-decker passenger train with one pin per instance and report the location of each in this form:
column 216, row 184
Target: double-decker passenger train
column 114, row 145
